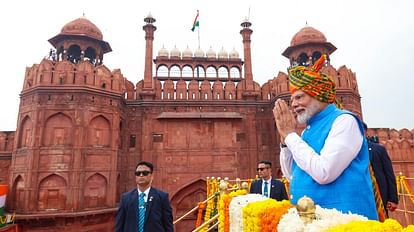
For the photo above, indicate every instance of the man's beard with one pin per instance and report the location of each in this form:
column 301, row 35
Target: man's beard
column 306, row 115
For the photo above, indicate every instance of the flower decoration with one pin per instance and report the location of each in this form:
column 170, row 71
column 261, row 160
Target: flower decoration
column 224, row 204
column 236, row 210
column 263, row 216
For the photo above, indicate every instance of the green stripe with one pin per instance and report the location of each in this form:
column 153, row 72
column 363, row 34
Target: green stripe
column 195, row 25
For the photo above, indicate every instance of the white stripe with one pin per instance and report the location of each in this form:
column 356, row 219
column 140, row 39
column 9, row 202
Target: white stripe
column 9, row 218
column 2, row 201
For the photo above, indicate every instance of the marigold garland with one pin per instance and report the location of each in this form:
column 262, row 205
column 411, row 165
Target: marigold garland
column 253, row 213
column 389, row 225
column 224, row 214
column 236, row 210
column 287, row 188
column 224, row 224
column 212, row 185
column 409, row 228
column 270, row 217
column 201, row 207
column 263, row 216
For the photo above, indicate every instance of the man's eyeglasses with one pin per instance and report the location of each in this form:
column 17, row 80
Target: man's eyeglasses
column 261, row 169
column 144, row 173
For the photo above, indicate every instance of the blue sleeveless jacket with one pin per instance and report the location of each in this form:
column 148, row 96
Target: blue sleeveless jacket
column 352, row 190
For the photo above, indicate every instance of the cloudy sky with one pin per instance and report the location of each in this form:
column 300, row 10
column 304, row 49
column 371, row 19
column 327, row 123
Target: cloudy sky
column 374, row 39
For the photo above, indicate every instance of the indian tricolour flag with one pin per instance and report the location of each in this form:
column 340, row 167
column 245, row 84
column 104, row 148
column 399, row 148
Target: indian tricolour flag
column 196, row 23
column 3, row 193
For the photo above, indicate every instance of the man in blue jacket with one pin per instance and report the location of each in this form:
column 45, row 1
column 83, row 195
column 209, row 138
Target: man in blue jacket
column 266, row 185
column 144, row 208
column 329, row 161
column 384, row 174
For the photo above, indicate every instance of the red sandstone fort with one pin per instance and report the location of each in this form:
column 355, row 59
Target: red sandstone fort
column 82, row 127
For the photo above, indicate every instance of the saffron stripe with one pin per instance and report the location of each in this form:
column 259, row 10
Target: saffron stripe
column 195, row 20
column 3, row 190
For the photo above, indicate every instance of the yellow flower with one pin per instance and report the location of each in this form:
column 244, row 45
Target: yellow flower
column 264, row 216
column 390, row 225
column 409, row 228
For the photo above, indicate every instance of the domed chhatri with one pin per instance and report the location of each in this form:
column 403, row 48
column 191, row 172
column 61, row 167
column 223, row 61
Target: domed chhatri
column 187, row 53
column 223, row 53
column 211, row 53
column 308, row 34
column 308, row 37
column 163, row 52
column 199, row 53
column 79, row 40
column 82, row 27
column 175, row 52
column 234, row 54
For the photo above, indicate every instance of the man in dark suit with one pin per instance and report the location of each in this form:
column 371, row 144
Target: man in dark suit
column 266, row 185
column 145, row 208
column 384, row 173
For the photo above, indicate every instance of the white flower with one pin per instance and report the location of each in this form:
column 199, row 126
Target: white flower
column 291, row 222
column 236, row 210
column 325, row 218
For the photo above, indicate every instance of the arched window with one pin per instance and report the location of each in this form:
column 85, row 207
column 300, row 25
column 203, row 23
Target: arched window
column 199, row 72
column 58, row 131
column 95, row 191
column 52, row 193
column 74, row 54
column 99, row 132
column 303, row 59
column 90, row 55
column 211, row 72
column 187, row 71
column 26, row 129
column 17, row 194
column 223, row 72
column 175, row 71
column 162, row 71
column 235, row 72
column 315, row 56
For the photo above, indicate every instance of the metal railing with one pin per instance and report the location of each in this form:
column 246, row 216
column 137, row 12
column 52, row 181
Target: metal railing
column 403, row 194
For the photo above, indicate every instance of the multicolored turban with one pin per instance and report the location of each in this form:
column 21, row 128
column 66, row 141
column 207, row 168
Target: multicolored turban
column 312, row 82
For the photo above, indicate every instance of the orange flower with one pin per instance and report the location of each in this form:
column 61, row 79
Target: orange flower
column 201, row 207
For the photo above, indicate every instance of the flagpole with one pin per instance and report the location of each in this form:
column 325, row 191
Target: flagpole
column 198, row 14
column 196, row 24
column 199, row 36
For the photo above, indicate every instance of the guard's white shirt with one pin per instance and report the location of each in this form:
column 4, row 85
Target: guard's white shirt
column 341, row 146
column 146, row 193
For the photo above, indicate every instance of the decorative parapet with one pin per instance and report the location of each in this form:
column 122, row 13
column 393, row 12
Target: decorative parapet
column 68, row 75
column 399, row 143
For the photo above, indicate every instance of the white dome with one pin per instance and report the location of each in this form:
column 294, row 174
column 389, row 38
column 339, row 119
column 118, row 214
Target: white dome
column 223, row 54
column 187, row 53
column 175, row 52
column 234, row 54
column 163, row 52
column 211, row 53
column 199, row 53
